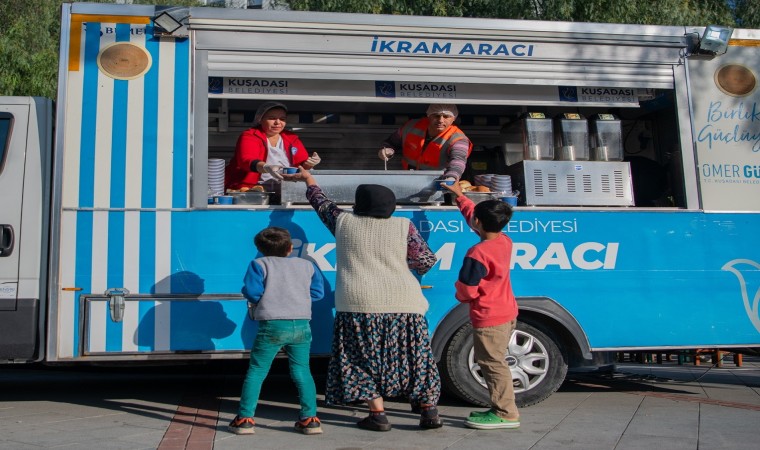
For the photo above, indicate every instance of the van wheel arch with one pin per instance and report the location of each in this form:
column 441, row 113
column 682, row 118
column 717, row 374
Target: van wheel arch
column 542, row 323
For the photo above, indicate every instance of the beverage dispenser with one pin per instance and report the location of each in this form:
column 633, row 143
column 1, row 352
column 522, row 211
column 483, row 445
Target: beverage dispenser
column 528, row 138
column 571, row 137
column 606, row 138
column 570, row 179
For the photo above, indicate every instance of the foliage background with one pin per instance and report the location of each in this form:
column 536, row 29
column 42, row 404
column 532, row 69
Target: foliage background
column 29, row 38
column 29, row 29
column 744, row 13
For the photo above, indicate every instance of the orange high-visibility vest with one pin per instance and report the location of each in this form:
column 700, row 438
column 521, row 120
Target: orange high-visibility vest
column 435, row 155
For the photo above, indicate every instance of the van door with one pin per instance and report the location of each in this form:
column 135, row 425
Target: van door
column 13, row 127
column 18, row 326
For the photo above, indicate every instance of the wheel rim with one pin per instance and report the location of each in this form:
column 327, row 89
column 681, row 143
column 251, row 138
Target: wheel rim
column 528, row 361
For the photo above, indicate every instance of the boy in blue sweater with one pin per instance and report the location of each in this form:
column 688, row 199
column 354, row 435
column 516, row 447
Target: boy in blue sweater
column 280, row 290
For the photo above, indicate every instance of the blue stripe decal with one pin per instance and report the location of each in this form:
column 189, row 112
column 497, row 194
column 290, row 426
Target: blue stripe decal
column 89, row 116
column 150, row 124
column 119, row 130
column 146, row 336
column 83, row 268
column 181, row 113
column 115, row 275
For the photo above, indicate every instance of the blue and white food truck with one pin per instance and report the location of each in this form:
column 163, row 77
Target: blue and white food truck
column 635, row 151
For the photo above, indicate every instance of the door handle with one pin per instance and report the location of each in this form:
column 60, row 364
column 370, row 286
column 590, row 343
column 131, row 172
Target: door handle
column 7, row 239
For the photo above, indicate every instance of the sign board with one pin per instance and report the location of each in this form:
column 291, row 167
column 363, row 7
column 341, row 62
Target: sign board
column 727, row 129
column 504, row 94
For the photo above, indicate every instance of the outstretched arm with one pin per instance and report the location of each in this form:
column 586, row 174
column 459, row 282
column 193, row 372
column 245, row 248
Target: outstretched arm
column 457, row 161
column 327, row 210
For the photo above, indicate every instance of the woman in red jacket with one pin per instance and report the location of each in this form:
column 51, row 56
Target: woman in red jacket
column 262, row 151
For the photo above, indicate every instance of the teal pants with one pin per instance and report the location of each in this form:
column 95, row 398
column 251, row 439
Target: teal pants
column 294, row 336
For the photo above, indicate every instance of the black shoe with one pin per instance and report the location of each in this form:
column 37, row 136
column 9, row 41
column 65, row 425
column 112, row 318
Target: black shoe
column 309, row 425
column 429, row 418
column 375, row 422
column 242, row 425
column 416, row 408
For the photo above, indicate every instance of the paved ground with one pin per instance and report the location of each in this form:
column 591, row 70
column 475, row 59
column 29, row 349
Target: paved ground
column 641, row 406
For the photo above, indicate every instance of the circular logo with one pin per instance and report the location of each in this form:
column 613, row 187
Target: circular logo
column 124, row 61
column 736, row 80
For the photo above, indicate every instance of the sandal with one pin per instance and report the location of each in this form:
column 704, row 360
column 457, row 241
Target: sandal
column 490, row 421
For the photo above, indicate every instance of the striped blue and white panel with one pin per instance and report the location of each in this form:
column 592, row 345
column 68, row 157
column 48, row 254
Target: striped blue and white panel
column 126, row 160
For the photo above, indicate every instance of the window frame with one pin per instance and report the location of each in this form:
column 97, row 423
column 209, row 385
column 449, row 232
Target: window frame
column 4, row 150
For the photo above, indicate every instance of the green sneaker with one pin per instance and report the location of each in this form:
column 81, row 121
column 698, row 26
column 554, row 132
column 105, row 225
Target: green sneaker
column 479, row 413
column 490, row 421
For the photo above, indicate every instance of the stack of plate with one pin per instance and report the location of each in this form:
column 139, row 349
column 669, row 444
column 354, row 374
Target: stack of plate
column 501, row 183
column 483, row 179
column 215, row 176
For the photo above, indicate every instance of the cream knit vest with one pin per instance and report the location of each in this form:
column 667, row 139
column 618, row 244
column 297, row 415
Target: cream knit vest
column 372, row 274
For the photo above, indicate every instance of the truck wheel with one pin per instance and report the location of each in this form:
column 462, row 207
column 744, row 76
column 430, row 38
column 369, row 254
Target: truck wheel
column 537, row 364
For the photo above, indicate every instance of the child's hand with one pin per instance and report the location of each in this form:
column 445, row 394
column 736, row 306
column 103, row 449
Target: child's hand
column 455, row 188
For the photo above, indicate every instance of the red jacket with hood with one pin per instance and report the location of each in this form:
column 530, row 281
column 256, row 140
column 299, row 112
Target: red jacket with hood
column 252, row 147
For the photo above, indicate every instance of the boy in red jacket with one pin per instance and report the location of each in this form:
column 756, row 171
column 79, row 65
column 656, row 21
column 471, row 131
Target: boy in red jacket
column 485, row 285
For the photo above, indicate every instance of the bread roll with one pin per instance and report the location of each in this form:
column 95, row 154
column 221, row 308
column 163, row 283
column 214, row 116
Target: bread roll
column 464, row 184
column 258, row 188
column 482, row 189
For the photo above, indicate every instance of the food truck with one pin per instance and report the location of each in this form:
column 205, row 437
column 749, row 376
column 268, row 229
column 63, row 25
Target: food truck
column 633, row 151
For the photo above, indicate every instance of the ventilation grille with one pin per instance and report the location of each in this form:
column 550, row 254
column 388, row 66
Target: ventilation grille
column 580, row 183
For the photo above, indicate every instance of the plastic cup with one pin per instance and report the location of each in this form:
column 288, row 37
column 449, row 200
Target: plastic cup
column 511, row 201
column 446, row 182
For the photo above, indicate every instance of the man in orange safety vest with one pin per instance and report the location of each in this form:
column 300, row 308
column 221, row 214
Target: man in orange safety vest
column 431, row 143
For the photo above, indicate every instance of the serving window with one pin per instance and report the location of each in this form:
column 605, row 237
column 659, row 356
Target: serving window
column 348, row 134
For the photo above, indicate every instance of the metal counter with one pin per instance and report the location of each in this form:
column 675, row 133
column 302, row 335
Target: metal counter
column 412, row 187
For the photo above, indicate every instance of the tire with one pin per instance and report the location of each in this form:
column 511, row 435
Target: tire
column 535, row 358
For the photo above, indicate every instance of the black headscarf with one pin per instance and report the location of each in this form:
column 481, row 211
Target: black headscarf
column 374, row 200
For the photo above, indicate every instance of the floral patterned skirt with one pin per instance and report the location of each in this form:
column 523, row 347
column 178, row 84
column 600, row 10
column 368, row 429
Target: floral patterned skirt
column 381, row 355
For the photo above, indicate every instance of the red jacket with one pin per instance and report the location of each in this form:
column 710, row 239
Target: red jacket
column 252, row 146
column 484, row 281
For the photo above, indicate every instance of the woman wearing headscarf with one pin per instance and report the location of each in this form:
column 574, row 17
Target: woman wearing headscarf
column 262, row 151
column 381, row 346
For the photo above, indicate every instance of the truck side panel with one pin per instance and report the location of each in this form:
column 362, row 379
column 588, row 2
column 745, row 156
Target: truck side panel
column 631, row 279
column 125, row 167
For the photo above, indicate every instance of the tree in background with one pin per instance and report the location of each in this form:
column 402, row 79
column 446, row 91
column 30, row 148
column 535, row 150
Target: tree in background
column 29, row 37
column 662, row 12
column 746, row 13
column 647, row 12
column 29, row 33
